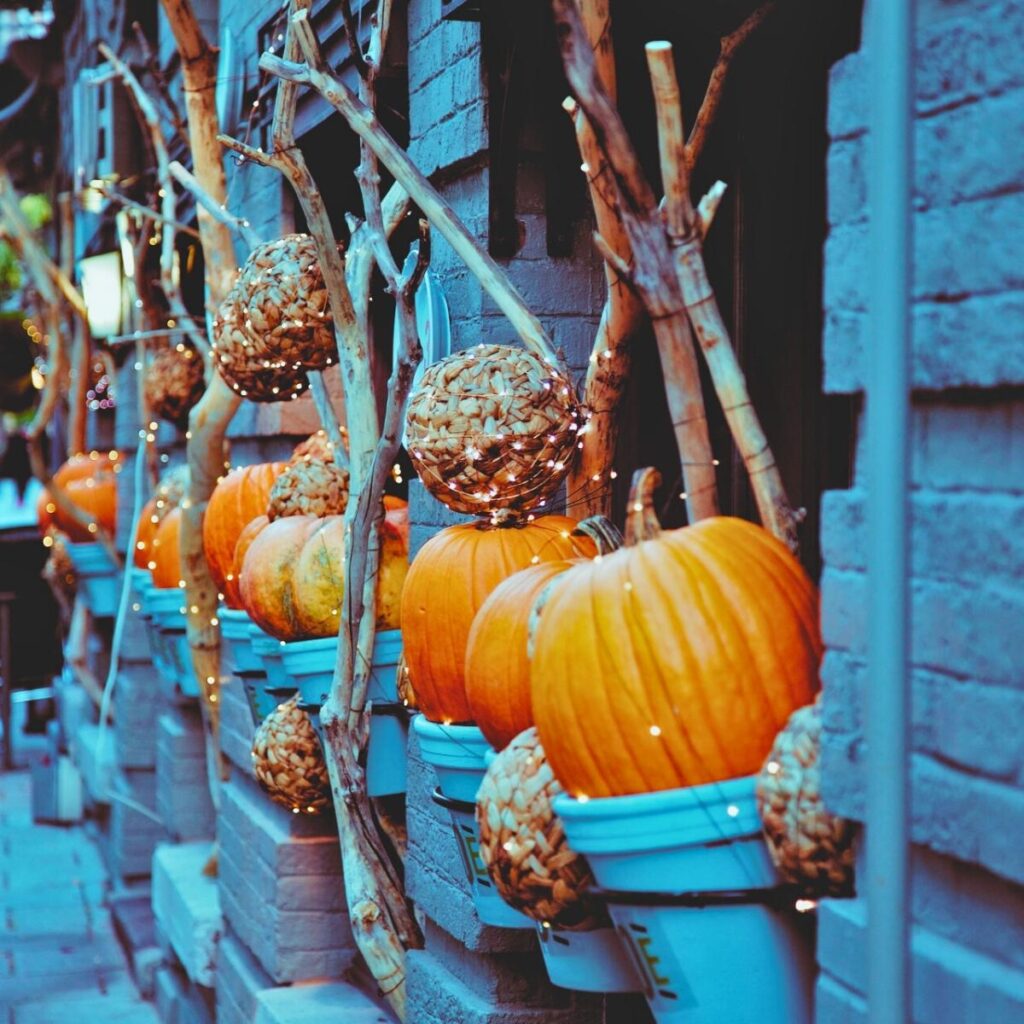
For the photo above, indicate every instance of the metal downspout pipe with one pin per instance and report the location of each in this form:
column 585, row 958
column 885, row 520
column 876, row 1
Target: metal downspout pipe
column 890, row 51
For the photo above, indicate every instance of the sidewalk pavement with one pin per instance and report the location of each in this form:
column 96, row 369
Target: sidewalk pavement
column 59, row 960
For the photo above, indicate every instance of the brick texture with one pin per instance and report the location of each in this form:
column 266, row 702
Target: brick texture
column 281, row 887
column 967, row 506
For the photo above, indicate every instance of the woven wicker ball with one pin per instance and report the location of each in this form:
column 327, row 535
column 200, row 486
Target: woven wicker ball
column 809, row 846
column 493, row 428
column 275, row 323
column 317, row 446
column 523, row 843
column 289, row 761
column 312, row 488
column 173, row 384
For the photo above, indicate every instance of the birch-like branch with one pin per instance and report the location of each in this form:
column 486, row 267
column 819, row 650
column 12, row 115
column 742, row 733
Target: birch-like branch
column 219, row 212
column 683, row 229
column 652, row 271
column 150, row 117
column 210, row 417
column 716, row 83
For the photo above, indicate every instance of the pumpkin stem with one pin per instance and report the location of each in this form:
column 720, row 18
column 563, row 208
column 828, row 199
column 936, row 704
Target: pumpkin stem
column 607, row 537
column 641, row 518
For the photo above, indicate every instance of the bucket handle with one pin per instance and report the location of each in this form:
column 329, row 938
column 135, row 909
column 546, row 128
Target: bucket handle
column 778, row 897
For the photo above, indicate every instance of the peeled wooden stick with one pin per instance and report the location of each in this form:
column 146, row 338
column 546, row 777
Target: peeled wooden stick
column 730, row 383
column 150, row 118
column 209, row 418
column 652, row 272
column 589, row 492
column 78, row 383
column 239, row 225
column 716, row 83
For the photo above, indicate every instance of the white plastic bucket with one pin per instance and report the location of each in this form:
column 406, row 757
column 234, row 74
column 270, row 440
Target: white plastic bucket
column 458, row 753
column 236, row 642
column 98, row 577
column 693, row 893
column 594, row 961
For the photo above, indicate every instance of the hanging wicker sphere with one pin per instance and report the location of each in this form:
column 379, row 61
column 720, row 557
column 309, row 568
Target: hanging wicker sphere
column 275, row 323
column 317, row 446
column 523, row 843
column 174, row 383
column 493, row 428
column 289, row 762
column 312, row 488
column 809, row 846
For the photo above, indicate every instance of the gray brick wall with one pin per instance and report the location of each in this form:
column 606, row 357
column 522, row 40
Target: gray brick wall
column 967, row 505
column 280, row 885
column 183, row 791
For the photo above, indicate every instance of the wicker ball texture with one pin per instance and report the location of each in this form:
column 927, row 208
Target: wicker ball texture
column 523, row 843
column 312, row 488
column 173, row 384
column 289, row 762
column 809, row 846
column 275, row 323
column 493, row 428
column 317, row 446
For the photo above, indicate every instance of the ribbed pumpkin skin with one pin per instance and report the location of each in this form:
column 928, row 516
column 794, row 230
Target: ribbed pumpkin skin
column 449, row 580
column 265, row 584
column 95, row 494
column 238, row 499
column 292, row 578
column 232, row 584
column 674, row 662
column 167, row 551
column 142, row 555
column 497, row 665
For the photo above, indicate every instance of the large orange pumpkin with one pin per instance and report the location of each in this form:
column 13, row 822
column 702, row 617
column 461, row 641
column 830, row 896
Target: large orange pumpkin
column 166, row 551
column 84, row 465
column 675, row 661
column 292, row 579
column 232, row 584
column 239, row 498
column 95, row 495
column 497, row 658
column 449, row 580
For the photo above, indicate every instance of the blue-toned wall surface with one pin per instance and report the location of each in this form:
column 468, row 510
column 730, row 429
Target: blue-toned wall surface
column 968, row 509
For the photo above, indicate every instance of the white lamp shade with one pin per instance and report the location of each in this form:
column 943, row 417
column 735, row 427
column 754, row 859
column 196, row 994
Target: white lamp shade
column 101, row 289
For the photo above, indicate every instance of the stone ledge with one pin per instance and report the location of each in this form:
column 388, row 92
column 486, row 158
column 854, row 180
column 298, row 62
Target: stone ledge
column 186, row 906
column 316, row 1003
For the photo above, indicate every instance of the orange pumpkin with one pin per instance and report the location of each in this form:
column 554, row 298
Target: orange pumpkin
column 292, row 579
column 95, row 495
column 84, row 465
column 498, row 649
column 675, row 661
column 449, row 580
column 166, row 551
column 149, row 520
column 232, row 585
column 239, row 498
